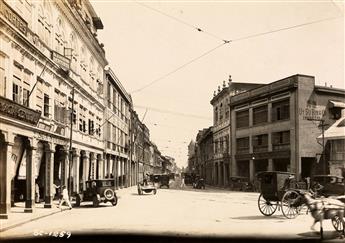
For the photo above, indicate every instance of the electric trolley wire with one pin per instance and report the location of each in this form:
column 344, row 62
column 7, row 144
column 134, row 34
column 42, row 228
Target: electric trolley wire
column 178, row 68
column 173, row 112
column 181, row 21
column 283, row 29
column 230, row 41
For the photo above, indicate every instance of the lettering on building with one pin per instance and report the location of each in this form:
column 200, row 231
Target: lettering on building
column 11, row 16
column 313, row 112
column 16, row 111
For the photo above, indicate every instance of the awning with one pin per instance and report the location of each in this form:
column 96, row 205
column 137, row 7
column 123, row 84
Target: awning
column 336, row 131
column 337, row 104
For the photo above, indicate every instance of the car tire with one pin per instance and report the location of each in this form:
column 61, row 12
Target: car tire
column 114, row 202
column 95, row 201
column 77, row 200
column 154, row 191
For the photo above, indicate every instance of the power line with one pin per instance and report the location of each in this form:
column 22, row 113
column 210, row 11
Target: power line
column 283, row 29
column 180, row 67
column 182, row 21
column 174, row 113
column 227, row 42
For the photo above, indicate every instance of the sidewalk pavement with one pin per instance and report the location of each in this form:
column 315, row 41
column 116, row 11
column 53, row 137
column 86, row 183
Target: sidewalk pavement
column 18, row 217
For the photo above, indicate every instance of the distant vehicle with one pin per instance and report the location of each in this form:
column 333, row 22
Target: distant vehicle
column 161, row 179
column 97, row 191
column 146, row 187
column 199, row 183
column 240, row 183
column 331, row 185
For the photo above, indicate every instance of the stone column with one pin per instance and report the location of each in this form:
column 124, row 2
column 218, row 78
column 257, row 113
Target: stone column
column 100, row 166
column 49, row 174
column 5, row 178
column 76, row 166
column 64, row 167
column 121, row 173
column 92, row 166
column 251, row 170
column 30, row 177
column 86, row 162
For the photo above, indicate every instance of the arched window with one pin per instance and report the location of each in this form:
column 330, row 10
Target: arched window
column 73, row 45
column 83, row 64
column 59, row 37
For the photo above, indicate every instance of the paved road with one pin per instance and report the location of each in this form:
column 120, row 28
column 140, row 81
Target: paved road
column 176, row 212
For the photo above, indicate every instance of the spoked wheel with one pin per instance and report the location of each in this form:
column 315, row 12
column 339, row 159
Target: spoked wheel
column 291, row 205
column 114, row 202
column 337, row 224
column 266, row 207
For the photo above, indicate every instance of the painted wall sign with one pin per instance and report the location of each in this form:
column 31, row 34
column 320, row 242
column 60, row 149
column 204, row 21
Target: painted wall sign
column 61, row 60
column 14, row 18
column 19, row 112
column 312, row 112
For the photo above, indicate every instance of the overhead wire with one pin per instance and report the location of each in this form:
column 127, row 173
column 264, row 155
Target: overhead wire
column 199, row 29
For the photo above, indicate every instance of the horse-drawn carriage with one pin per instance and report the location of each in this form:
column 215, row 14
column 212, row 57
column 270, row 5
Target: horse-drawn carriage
column 275, row 193
column 281, row 190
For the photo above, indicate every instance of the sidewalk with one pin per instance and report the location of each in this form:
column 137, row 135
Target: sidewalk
column 17, row 216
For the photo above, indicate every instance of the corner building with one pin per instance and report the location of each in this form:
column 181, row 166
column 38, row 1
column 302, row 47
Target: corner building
column 51, row 49
column 276, row 126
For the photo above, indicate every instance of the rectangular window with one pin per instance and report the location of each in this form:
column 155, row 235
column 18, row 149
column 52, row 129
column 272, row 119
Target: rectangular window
column 109, row 95
column 281, row 140
column 2, row 76
column 46, row 105
column 260, row 114
column 15, row 93
column 26, row 97
column 242, row 119
column 260, row 143
column 281, row 110
column 242, row 145
column 114, row 100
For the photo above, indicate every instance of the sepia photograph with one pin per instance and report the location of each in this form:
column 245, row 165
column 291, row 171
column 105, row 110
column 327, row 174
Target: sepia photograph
column 172, row 121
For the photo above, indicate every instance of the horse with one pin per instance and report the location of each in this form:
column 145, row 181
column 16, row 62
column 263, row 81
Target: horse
column 324, row 208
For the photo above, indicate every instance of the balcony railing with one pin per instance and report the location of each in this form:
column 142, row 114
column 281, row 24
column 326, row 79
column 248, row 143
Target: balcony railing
column 242, row 150
column 263, row 148
column 280, row 147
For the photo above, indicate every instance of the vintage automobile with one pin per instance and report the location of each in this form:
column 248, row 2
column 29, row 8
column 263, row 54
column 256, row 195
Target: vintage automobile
column 331, row 185
column 146, row 187
column 199, row 183
column 240, row 183
column 97, row 191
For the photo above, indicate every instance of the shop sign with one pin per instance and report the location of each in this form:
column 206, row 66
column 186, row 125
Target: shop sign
column 11, row 16
column 61, row 60
column 312, row 112
column 19, row 112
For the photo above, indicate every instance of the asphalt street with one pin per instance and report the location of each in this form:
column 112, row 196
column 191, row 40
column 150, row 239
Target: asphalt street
column 172, row 212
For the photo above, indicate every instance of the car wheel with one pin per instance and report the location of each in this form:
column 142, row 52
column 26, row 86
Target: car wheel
column 77, row 200
column 95, row 201
column 154, row 192
column 114, row 202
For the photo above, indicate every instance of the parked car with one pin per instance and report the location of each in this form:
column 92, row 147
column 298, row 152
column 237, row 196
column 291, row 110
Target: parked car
column 331, row 185
column 97, row 191
column 240, row 183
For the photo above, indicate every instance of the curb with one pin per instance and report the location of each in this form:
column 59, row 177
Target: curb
column 29, row 220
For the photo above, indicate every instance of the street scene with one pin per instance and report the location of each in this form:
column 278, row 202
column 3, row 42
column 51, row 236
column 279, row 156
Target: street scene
column 172, row 121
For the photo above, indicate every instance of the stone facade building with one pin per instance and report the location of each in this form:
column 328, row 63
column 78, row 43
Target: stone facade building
column 51, row 49
column 276, row 126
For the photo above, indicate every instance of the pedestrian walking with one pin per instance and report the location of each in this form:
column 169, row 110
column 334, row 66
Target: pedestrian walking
column 55, row 192
column 65, row 198
column 182, row 183
column 37, row 193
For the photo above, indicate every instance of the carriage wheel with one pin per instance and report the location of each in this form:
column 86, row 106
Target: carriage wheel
column 266, row 207
column 290, row 204
column 337, row 224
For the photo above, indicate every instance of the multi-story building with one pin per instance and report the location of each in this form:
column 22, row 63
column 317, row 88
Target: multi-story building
column 204, row 161
column 50, row 61
column 117, row 131
column 221, row 128
column 275, row 126
column 191, row 157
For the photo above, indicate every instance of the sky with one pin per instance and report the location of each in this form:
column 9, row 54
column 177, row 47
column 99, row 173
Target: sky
column 148, row 43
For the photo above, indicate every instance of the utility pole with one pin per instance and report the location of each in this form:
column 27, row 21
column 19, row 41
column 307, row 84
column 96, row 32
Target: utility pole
column 323, row 141
column 70, row 147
